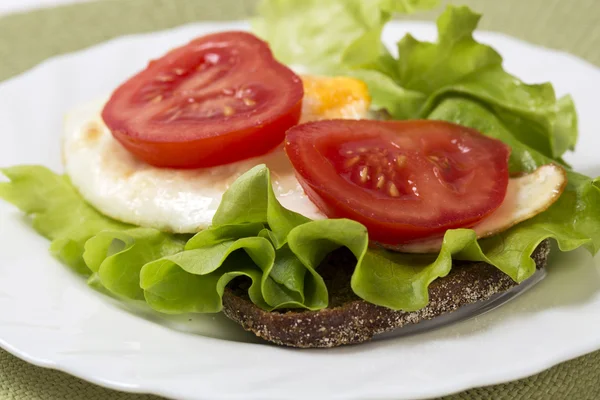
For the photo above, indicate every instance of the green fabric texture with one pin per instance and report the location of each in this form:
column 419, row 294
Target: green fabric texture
column 28, row 38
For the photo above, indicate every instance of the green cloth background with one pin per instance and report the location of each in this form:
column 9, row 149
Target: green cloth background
column 28, row 38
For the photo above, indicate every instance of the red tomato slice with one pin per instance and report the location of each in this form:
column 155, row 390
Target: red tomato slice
column 219, row 99
column 403, row 180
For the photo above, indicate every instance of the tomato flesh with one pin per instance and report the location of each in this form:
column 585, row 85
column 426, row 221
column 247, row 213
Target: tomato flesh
column 219, row 99
column 404, row 180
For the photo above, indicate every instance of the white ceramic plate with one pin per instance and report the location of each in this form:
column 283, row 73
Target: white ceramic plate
column 48, row 316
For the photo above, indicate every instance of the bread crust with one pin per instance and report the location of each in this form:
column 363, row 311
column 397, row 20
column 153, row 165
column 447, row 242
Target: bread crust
column 350, row 320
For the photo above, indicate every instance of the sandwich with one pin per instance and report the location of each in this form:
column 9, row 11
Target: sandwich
column 309, row 184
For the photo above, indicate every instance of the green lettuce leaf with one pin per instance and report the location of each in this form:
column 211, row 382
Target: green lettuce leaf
column 57, row 211
column 305, row 33
column 82, row 238
column 458, row 65
column 251, row 228
column 251, row 199
column 425, row 67
column 194, row 280
column 386, row 94
column 394, row 280
column 117, row 257
column 532, row 112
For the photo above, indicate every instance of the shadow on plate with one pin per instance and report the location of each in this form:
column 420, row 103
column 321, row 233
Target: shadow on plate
column 216, row 326
column 591, row 171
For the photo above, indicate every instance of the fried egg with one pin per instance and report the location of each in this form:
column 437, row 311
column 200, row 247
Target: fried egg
column 185, row 201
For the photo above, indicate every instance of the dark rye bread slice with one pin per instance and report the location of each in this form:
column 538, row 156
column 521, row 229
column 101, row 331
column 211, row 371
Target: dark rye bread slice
column 349, row 320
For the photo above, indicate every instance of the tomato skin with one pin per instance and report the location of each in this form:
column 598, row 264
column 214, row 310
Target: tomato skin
column 219, row 99
column 404, row 180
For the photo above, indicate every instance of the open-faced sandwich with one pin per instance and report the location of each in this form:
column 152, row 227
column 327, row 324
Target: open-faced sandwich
column 313, row 186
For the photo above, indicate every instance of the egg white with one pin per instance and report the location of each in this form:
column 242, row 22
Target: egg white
column 171, row 200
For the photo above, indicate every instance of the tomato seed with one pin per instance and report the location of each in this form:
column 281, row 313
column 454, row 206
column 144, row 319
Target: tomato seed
column 401, row 161
column 364, row 174
column 352, row 161
column 393, row 190
column 228, row 111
